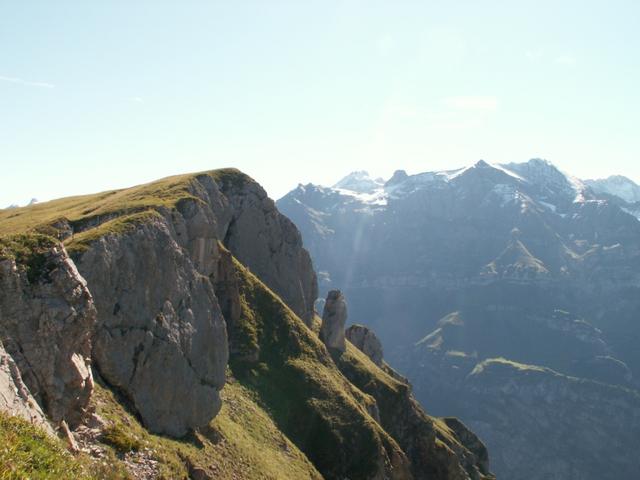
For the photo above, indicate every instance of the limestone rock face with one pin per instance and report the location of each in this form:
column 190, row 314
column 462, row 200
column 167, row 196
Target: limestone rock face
column 45, row 324
column 161, row 337
column 365, row 340
column 333, row 319
column 271, row 246
column 165, row 289
column 15, row 397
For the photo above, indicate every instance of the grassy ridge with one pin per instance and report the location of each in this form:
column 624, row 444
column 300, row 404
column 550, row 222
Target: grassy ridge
column 114, row 211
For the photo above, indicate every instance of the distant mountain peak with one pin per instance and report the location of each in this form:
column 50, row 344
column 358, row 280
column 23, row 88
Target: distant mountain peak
column 539, row 166
column 398, row 176
column 549, row 179
column 542, row 162
column 359, row 181
column 618, row 186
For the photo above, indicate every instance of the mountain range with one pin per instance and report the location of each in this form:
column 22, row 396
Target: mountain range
column 508, row 294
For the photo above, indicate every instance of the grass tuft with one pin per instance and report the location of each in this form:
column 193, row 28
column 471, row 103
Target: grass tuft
column 27, row 452
column 121, row 439
column 29, row 252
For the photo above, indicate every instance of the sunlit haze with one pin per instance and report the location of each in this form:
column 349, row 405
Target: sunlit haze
column 101, row 95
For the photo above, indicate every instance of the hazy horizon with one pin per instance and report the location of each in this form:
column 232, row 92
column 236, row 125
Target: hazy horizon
column 279, row 194
column 103, row 96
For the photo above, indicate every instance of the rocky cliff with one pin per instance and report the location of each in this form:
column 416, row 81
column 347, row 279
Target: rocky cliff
column 182, row 306
column 46, row 322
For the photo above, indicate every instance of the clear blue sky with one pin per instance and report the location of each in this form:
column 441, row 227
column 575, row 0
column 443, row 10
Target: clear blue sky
column 97, row 95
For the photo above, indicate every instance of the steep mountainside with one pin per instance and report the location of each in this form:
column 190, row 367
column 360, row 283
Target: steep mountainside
column 168, row 330
column 519, row 261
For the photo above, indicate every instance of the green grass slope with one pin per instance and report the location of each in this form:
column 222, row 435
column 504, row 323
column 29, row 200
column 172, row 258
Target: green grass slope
column 432, row 447
column 26, row 452
column 241, row 442
column 297, row 381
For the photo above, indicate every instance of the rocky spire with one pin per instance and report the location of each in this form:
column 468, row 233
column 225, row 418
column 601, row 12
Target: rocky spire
column 366, row 341
column 334, row 318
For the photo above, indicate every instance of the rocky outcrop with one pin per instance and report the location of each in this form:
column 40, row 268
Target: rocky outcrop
column 334, row 317
column 166, row 347
column 15, row 397
column 365, row 340
column 46, row 318
column 266, row 241
column 160, row 338
column 470, row 440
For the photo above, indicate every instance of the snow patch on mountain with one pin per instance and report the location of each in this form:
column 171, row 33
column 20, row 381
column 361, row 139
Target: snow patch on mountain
column 508, row 194
column 579, row 188
column 451, row 174
column 511, row 173
column 618, row 186
column 359, row 182
column 377, row 197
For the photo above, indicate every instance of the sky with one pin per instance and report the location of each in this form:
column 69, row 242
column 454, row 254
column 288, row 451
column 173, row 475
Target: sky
column 102, row 95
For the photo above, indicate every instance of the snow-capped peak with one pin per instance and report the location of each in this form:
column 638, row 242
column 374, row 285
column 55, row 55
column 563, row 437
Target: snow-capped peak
column 359, row 182
column 538, row 170
column 549, row 179
column 618, row 186
column 479, row 165
column 537, row 178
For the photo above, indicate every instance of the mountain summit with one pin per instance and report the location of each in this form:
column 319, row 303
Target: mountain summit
column 359, row 182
